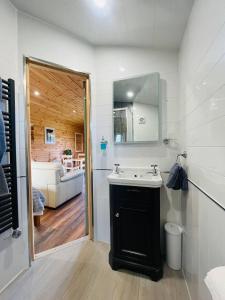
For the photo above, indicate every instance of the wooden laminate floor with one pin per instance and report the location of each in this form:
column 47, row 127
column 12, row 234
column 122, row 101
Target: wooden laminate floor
column 82, row 272
column 61, row 225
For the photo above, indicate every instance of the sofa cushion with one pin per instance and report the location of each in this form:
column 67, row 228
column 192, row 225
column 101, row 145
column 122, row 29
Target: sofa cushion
column 72, row 174
column 62, row 170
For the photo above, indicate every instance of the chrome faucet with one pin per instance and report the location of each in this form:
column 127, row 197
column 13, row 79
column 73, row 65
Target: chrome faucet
column 117, row 168
column 155, row 171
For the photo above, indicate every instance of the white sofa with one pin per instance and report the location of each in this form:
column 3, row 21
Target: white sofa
column 49, row 178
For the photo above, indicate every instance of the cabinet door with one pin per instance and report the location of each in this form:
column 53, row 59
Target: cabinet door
column 133, row 218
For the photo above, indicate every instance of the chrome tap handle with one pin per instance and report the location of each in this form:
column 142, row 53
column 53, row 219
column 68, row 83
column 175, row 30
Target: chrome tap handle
column 154, row 166
column 117, row 168
column 154, row 169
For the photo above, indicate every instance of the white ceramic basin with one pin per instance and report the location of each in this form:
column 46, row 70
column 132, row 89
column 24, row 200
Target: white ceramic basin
column 136, row 177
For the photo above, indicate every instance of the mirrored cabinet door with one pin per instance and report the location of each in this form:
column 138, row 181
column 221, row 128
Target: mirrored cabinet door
column 136, row 109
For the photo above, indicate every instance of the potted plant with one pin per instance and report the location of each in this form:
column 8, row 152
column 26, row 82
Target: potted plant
column 67, row 152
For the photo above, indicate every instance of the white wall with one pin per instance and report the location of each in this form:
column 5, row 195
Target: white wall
column 118, row 63
column 31, row 37
column 202, row 115
column 13, row 252
column 43, row 41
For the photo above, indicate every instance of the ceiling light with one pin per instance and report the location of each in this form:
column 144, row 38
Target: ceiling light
column 122, row 69
column 36, row 93
column 74, row 111
column 100, row 3
column 130, row 94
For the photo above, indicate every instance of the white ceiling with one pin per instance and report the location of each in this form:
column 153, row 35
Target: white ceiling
column 142, row 23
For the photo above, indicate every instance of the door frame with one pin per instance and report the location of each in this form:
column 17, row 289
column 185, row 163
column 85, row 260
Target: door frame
column 87, row 142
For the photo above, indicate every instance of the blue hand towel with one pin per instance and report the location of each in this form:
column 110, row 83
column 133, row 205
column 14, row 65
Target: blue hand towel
column 2, row 137
column 178, row 178
column 183, row 179
column 173, row 179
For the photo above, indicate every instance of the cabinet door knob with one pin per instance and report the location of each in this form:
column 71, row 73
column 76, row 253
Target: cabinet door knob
column 117, row 215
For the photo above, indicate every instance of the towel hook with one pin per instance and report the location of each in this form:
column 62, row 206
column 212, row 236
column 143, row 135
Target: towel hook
column 184, row 155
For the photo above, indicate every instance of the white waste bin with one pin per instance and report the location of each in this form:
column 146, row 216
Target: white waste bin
column 173, row 245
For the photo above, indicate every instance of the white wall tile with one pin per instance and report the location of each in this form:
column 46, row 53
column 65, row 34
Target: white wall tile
column 202, row 118
column 135, row 62
column 101, row 206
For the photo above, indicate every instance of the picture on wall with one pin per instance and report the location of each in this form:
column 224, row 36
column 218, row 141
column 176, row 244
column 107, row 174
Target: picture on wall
column 49, row 135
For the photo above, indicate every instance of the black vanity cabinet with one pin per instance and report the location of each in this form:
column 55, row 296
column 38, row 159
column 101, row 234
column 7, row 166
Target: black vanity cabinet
column 135, row 230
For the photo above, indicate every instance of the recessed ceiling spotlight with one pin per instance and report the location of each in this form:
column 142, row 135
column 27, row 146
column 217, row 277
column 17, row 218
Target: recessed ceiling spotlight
column 74, row 111
column 122, row 69
column 36, row 93
column 100, row 3
column 130, row 94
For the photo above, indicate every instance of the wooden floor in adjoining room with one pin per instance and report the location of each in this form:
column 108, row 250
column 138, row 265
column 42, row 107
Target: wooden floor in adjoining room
column 61, row 225
column 82, row 272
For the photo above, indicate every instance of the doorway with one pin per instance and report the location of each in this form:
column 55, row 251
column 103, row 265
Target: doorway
column 59, row 155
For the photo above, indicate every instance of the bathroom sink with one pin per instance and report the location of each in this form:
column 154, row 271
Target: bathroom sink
column 136, row 177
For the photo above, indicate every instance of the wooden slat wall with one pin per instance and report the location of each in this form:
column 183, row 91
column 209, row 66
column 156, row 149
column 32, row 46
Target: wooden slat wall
column 59, row 105
column 65, row 136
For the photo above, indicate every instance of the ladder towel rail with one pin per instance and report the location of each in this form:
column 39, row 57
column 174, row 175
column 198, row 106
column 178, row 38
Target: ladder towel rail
column 9, row 218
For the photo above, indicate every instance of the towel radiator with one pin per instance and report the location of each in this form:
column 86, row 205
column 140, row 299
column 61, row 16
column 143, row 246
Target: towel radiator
column 9, row 202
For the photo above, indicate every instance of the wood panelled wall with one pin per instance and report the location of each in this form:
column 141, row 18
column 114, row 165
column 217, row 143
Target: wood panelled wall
column 64, row 130
column 56, row 101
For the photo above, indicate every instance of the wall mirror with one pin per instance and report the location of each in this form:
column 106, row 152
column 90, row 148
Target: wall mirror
column 137, row 109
